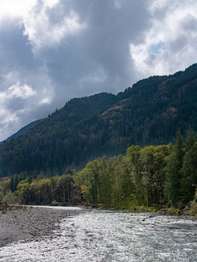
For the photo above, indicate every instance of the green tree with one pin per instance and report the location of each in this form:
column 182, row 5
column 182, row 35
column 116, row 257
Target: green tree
column 153, row 162
column 23, row 192
column 63, row 191
column 134, row 153
column 189, row 174
column 174, row 172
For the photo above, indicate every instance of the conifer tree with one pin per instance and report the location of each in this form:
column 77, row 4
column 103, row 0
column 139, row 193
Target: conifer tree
column 174, row 172
column 189, row 174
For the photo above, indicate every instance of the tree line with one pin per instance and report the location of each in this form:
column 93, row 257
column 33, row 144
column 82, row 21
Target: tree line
column 54, row 190
column 150, row 176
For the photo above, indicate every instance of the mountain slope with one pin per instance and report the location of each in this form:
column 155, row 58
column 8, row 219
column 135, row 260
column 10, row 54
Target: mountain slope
column 149, row 112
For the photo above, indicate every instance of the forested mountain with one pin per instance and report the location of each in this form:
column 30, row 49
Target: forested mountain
column 148, row 113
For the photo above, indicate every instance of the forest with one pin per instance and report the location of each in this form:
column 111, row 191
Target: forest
column 162, row 176
column 104, row 125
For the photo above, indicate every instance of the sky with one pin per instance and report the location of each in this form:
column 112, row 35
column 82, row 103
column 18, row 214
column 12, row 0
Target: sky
column 54, row 50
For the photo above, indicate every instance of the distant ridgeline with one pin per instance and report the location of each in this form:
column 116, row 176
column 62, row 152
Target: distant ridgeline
column 104, row 125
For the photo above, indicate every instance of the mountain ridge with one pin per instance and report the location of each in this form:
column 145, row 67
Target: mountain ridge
column 150, row 112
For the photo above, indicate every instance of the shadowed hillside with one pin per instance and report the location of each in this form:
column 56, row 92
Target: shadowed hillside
column 148, row 113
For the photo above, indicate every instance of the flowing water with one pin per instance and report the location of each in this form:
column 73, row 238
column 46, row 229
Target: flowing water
column 112, row 236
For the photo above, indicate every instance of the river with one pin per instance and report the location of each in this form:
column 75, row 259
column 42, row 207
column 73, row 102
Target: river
column 94, row 236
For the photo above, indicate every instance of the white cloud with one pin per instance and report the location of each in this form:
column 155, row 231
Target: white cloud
column 51, row 3
column 22, row 91
column 34, row 16
column 158, row 4
column 42, row 32
column 21, row 8
column 16, row 8
column 46, row 100
column 170, row 43
column 19, row 102
column 10, row 118
column 17, row 91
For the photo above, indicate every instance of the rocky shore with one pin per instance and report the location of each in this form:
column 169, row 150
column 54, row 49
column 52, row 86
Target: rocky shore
column 30, row 223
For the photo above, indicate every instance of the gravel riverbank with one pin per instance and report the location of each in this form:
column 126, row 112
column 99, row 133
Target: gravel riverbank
column 30, row 223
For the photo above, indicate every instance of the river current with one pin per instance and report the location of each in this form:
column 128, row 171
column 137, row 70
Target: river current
column 95, row 236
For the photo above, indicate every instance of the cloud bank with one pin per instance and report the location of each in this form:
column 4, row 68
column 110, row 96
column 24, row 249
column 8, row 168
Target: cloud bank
column 53, row 50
